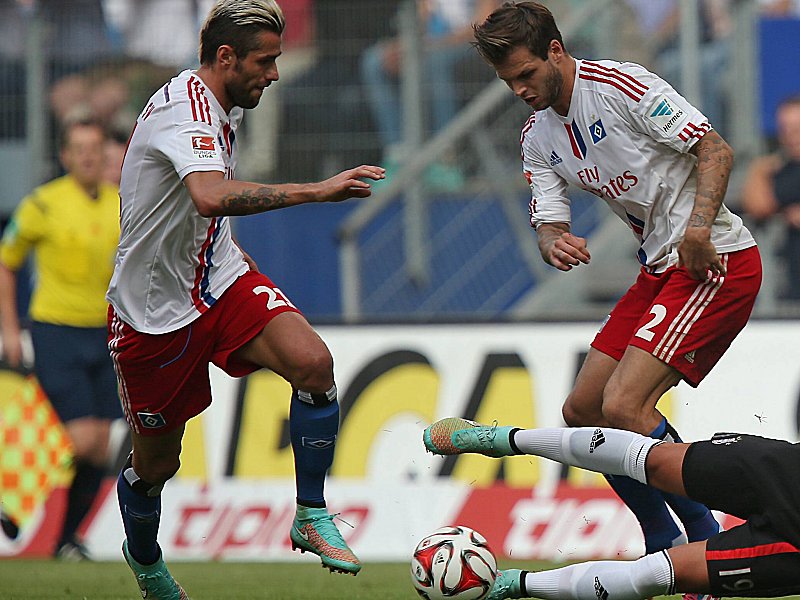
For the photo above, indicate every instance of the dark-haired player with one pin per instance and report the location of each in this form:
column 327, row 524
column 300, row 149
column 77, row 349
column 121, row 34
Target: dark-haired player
column 625, row 135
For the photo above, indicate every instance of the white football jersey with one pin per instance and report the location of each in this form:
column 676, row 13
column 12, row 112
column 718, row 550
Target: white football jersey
column 626, row 140
column 172, row 264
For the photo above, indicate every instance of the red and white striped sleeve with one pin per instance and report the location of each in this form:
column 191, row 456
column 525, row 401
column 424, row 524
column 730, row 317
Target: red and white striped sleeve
column 188, row 133
column 648, row 103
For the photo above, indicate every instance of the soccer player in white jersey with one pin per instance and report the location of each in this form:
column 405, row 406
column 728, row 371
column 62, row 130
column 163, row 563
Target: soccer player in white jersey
column 183, row 294
column 622, row 133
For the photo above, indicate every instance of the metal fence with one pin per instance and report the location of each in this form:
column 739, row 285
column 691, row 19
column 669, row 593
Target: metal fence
column 446, row 237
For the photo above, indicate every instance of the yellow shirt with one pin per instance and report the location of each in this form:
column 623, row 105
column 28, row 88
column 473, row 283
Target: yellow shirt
column 74, row 239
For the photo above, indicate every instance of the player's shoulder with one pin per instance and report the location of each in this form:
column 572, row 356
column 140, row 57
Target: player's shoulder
column 538, row 129
column 626, row 81
column 527, row 136
column 186, row 98
column 528, row 128
column 183, row 87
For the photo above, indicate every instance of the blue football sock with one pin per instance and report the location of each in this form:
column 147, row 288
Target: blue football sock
column 647, row 505
column 313, row 426
column 141, row 514
column 697, row 520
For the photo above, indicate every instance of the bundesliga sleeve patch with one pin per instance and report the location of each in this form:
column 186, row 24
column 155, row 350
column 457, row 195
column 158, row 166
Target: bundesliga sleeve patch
column 666, row 114
column 203, row 146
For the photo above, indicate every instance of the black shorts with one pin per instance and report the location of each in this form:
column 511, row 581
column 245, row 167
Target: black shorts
column 755, row 479
column 75, row 371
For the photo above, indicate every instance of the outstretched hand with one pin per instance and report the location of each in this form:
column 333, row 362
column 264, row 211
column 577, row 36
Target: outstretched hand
column 350, row 183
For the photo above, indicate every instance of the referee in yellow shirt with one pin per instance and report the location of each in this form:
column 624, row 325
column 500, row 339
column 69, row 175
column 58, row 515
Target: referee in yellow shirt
column 71, row 225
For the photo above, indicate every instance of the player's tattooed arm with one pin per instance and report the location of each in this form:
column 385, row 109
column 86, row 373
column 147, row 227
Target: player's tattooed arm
column 213, row 195
column 714, row 165
column 696, row 252
column 251, row 201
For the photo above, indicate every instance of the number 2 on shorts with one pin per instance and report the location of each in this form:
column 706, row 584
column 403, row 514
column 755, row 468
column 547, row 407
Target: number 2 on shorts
column 658, row 311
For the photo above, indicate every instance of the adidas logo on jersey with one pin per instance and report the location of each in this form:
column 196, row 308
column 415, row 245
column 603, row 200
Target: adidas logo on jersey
column 598, row 439
column 689, row 356
column 555, row 159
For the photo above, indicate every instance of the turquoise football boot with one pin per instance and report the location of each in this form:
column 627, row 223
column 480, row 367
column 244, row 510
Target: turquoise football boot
column 313, row 531
column 455, row 435
column 507, row 585
column 155, row 581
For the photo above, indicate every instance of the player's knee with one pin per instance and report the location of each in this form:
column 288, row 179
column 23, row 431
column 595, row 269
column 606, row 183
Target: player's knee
column 577, row 414
column 572, row 416
column 655, row 468
column 313, row 371
column 158, row 471
column 619, row 414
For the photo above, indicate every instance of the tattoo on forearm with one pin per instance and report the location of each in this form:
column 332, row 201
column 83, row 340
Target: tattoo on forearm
column 258, row 200
column 697, row 220
column 714, row 164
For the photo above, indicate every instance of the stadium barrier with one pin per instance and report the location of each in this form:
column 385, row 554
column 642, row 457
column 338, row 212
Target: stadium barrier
column 234, row 496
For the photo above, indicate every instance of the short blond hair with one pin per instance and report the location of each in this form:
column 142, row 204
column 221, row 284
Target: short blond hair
column 236, row 23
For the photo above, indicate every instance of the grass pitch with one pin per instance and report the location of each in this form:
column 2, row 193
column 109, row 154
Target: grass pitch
column 53, row 580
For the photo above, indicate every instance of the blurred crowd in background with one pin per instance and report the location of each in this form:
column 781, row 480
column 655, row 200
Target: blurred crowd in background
column 338, row 102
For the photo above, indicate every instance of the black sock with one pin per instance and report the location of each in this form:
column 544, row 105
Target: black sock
column 80, row 497
column 522, row 587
